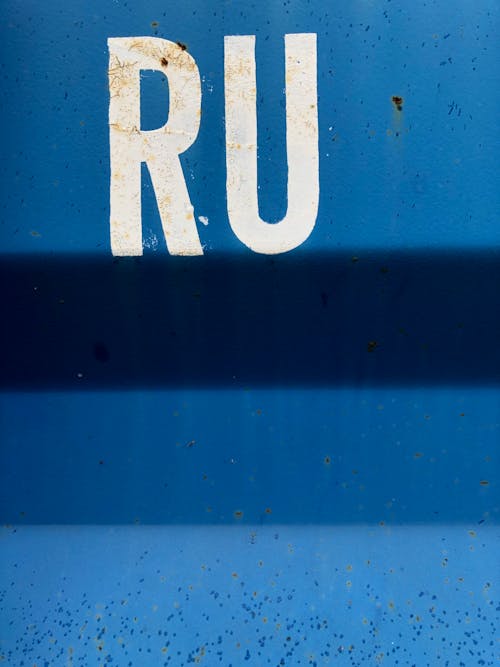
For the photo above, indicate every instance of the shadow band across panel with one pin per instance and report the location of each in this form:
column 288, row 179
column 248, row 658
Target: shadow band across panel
column 355, row 318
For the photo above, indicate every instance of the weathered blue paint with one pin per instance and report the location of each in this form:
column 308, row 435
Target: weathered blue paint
column 281, row 595
column 235, row 458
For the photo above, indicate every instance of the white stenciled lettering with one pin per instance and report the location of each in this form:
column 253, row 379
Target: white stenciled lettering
column 159, row 149
column 301, row 143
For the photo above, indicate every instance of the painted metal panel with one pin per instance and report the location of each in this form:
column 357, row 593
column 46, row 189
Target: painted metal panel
column 249, row 455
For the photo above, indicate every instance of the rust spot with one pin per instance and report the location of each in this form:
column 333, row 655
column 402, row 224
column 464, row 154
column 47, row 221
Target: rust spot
column 418, row 455
column 154, row 24
column 398, row 102
column 181, row 46
column 268, row 510
column 372, row 345
column 164, row 61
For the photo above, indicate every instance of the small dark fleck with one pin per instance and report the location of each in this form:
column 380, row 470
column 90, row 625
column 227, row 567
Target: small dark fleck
column 181, row 46
column 164, row 61
column 484, row 482
column 154, row 24
column 372, row 346
column 398, row 102
column 101, row 352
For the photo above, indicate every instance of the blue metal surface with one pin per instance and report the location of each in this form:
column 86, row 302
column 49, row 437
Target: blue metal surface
column 286, row 460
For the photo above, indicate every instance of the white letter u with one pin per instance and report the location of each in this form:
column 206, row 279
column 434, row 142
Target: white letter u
column 301, row 144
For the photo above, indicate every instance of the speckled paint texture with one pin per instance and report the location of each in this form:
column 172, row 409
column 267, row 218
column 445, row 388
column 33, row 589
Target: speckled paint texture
column 238, row 459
